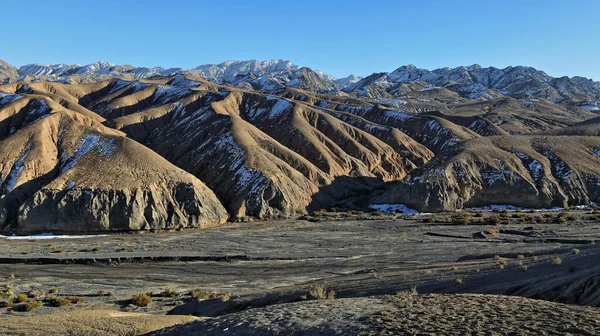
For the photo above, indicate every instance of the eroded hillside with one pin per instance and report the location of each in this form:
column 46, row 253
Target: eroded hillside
column 178, row 151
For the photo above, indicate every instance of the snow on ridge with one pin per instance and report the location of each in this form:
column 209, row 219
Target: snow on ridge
column 7, row 98
column 16, row 170
column 393, row 208
column 243, row 173
column 89, row 142
column 164, row 93
column 397, row 115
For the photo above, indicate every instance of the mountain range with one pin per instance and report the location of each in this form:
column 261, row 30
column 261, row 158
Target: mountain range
column 474, row 82
column 115, row 147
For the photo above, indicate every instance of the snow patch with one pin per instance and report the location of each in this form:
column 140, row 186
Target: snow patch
column 397, row 115
column 50, row 236
column 16, row 170
column 393, row 208
column 500, row 207
column 7, row 98
column 89, row 142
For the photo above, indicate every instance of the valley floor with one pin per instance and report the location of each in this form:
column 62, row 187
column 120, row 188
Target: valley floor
column 278, row 262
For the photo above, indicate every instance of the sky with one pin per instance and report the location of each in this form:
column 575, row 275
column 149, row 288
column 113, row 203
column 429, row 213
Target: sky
column 338, row 37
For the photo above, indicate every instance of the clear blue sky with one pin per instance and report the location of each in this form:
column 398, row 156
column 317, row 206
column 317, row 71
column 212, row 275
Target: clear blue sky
column 338, row 37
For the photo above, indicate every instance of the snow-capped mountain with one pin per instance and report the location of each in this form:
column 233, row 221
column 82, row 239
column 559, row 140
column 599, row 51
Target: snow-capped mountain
column 479, row 83
column 473, row 82
column 269, row 76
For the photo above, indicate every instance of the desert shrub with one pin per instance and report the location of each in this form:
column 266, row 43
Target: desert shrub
column 31, row 305
column 520, row 257
column 7, row 304
column 462, row 218
column 319, row 213
column 168, row 292
column 58, row 302
column 500, row 261
column 572, row 217
column 557, row 261
column 75, row 299
column 478, row 214
column 53, row 291
column 330, row 294
column 321, row 293
column 36, row 294
column 493, row 220
column 455, row 268
column 225, row 297
column 7, row 291
column 199, row 294
column 141, row 300
column 575, row 251
column 560, row 220
column 318, row 292
column 21, row 298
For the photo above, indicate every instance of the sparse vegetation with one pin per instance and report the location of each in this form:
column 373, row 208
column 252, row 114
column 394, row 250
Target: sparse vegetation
column 58, row 302
column 168, row 292
column 141, row 300
column 225, row 297
column 75, row 299
column 321, row 293
column 31, row 305
column 7, row 291
column 462, row 218
column 21, row 298
column 7, row 304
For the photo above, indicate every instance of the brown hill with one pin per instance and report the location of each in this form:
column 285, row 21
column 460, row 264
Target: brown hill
column 266, row 155
column 62, row 171
column 526, row 171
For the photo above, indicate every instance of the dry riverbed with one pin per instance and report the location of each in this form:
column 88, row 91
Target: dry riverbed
column 538, row 255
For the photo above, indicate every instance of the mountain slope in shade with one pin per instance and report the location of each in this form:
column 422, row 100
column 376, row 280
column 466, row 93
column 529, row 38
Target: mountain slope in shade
column 62, row 171
column 272, row 153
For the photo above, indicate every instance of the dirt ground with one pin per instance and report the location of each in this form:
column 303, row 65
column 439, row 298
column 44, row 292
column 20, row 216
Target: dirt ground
column 534, row 255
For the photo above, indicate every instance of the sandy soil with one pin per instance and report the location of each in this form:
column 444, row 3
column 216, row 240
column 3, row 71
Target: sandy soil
column 404, row 314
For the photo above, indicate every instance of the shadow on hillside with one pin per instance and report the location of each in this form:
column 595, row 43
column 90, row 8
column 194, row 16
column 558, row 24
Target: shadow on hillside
column 346, row 192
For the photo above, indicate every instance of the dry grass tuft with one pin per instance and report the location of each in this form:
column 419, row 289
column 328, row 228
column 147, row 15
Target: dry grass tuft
column 141, row 300
column 321, row 293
